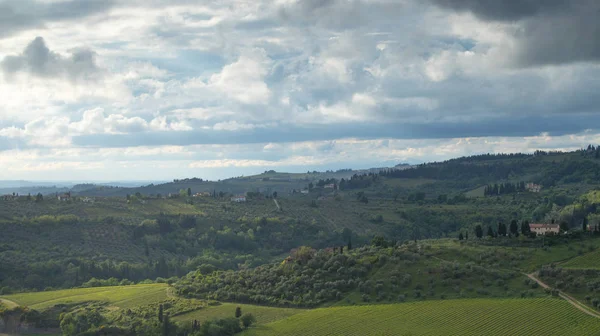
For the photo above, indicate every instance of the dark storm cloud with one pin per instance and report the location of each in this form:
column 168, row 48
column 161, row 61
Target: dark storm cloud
column 38, row 60
column 18, row 15
column 551, row 32
column 509, row 10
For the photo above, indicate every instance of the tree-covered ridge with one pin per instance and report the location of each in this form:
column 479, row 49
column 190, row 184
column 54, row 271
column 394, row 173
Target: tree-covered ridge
column 307, row 278
column 368, row 274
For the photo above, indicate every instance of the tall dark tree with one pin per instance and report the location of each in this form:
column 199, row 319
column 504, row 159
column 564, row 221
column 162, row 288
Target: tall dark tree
column 490, row 232
column 189, row 192
column 238, row 312
column 564, row 226
column 478, row 231
column 460, row 236
column 514, row 228
column 160, row 313
column 585, row 224
column 467, row 235
column 166, row 327
column 501, row 230
column 146, row 249
column 525, row 230
column 349, row 244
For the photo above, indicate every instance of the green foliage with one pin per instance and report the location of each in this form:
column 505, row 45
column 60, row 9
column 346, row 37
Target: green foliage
column 247, row 320
column 76, row 323
column 306, row 280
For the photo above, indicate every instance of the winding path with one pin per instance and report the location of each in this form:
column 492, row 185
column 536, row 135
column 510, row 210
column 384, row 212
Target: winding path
column 574, row 302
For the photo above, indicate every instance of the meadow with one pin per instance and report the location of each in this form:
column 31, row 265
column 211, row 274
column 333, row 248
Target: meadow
column 118, row 296
column 547, row 316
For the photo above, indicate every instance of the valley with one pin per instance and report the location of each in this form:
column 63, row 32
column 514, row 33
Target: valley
column 347, row 253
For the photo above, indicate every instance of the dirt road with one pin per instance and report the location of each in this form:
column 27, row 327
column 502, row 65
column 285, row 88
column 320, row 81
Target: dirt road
column 574, row 302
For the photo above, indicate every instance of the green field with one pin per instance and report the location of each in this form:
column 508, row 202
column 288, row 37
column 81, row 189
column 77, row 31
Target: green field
column 263, row 314
column 588, row 261
column 119, row 296
column 546, row 316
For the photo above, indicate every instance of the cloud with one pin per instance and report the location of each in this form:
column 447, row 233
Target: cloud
column 18, row 15
column 544, row 32
column 59, row 131
column 332, row 83
column 38, row 60
column 243, row 80
column 506, row 10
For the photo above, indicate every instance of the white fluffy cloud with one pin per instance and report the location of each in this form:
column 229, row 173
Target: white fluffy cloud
column 243, row 80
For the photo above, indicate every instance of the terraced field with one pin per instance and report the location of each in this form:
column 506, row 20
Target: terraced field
column 588, row 261
column 263, row 314
column 547, row 316
column 120, row 296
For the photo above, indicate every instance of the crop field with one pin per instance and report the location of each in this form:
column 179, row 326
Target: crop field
column 120, row 296
column 547, row 316
column 588, row 261
column 263, row 314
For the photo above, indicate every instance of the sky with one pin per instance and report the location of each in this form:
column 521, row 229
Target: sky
column 165, row 89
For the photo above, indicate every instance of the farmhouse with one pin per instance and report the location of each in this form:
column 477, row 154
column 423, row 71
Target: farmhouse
column 64, row 197
column 202, row 194
column 542, row 229
column 238, row 199
column 305, row 191
column 533, row 187
column 329, row 186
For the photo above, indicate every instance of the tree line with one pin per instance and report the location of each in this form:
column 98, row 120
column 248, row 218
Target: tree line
column 504, row 188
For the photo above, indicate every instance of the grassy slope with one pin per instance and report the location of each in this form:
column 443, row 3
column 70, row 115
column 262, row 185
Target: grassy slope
column 263, row 314
column 119, row 296
column 464, row 317
column 587, row 261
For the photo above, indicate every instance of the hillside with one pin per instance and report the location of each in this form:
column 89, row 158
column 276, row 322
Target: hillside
column 398, row 229
column 481, row 279
column 462, row 317
column 124, row 238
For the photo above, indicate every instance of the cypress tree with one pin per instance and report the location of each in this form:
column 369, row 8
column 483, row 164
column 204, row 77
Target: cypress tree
column 160, row 313
column 166, row 325
column 514, row 228
column 478, row 231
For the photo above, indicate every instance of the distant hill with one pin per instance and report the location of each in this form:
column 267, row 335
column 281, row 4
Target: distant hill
column 269, row 181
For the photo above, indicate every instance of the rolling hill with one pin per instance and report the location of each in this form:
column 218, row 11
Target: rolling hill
column 462, row 317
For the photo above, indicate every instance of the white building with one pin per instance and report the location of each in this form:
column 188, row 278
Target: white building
column 533, row 187
column 542, row 229
column 238, row 199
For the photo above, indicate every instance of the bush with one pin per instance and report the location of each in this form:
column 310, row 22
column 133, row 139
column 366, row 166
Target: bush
column 247, row 320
